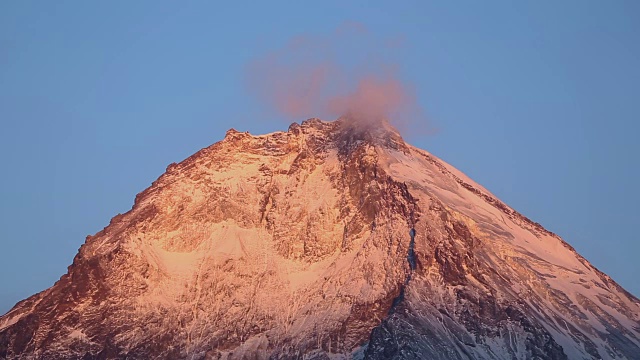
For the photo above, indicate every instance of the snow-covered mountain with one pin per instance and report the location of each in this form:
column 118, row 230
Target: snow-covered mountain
column 331, row 240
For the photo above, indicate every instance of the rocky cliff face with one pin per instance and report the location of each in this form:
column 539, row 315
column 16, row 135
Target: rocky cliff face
column 299, row 244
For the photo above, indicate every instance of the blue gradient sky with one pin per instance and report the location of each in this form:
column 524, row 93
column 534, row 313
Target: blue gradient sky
column 538, row 101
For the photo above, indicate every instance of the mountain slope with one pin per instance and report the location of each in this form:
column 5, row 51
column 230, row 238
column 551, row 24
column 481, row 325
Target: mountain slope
column 298, row 244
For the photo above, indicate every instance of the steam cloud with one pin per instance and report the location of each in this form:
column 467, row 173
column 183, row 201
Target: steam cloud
column 347, row 73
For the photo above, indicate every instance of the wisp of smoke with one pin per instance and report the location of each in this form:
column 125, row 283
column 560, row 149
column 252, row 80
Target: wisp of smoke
column 346, row 74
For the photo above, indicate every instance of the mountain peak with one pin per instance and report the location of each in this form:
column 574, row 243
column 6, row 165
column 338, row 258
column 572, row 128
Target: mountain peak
column 334, row 239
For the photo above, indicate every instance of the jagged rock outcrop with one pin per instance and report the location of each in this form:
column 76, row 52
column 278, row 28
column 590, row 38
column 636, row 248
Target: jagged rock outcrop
column 299, row 244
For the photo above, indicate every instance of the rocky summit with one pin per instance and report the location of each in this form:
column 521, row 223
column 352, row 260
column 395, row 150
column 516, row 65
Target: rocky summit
column 332, row 240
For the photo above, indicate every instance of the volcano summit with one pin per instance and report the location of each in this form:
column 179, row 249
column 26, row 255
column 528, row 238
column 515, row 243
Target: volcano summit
column 327, row 241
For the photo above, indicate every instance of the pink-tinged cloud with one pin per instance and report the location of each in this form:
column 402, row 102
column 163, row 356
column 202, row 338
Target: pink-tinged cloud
column 344, row 74
column 373, row 99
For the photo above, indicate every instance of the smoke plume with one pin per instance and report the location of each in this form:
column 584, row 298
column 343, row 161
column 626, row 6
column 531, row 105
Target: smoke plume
column 349, row 73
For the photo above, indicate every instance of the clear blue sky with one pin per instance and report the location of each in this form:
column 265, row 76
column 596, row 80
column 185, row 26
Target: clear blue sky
column 538, row 101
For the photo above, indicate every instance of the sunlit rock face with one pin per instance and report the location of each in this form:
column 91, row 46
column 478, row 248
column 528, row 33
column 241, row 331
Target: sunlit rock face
column 297, row 245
